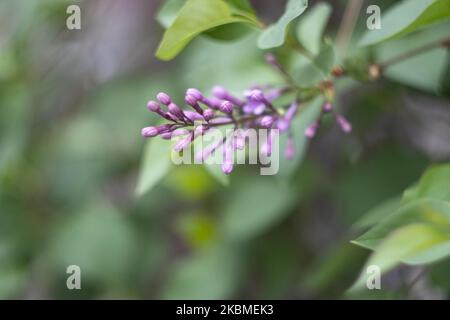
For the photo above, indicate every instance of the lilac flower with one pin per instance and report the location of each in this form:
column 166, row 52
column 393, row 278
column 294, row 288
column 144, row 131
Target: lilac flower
column 267, row 121
column 164, row 98
column 227, row 165
column 311, row 130
column 222, row 93
column 193, row 102
column 327, row 107
column 239, row 140
column 256, row 102
column 290, row 148
column 208, row 114
column 176, row 111
column 226, row 107
column 255, row 110
column 183, row 143
column 343, row 123
column 193, row 116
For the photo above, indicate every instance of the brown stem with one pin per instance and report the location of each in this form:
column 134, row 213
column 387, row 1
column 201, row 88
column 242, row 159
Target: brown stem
column 445, row 43
column 347, row 25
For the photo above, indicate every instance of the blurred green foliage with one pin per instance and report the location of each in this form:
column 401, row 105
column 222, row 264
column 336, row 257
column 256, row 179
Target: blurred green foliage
column 70, row 161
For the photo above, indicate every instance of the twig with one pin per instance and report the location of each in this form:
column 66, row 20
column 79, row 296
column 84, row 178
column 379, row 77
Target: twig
column 347, row 25
column 445, row 43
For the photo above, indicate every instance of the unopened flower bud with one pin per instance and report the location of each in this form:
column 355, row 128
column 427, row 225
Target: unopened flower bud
column 270, row 58
column 227, row 167
column 193, row 102
column 283, row 124
column 149, row 132
column 153, row 106
column 220, row 92
column 311, row 131
column 290, row 113
column 193, row 116
column 267, row 121
column 257, row 95
column 208, row 114
column 226, row 107
column 344, row 124
column 176, row 111
column 183, row 144
column 164, row 98
column 327, row 107
column 195, row 93
column 290, row 149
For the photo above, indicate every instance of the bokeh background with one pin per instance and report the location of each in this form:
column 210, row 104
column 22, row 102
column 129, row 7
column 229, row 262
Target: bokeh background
column 72, row 104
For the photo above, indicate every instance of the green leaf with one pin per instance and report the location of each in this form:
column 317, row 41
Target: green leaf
column 326, row 58
column 155, row 165
column 309, row 72
column 311, row 27
column 168, row 12
column 424, row 210
column 406, row 17
column 378, row 213
column 416, row 243
column 275, row 34
column 195, row 17
column 435, row 183
column 254, row 206
column 306, row 116
column 425, row 71
column 211, row 274
column 98, row 239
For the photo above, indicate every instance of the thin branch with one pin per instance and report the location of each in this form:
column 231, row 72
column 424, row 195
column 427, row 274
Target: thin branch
column 445, row 43
column 348, row 25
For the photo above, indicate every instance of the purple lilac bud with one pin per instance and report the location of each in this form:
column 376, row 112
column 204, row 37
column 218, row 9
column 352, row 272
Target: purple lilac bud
column 220, row 120
column 200, row 130
column 256, row 95
column 227, row 165
column 311, row 131
column 273, row 94
column 226, row 107
column 195, row 93
column 176, row 111
column 266, row 148
column 166, row 135
column 213, row 103
column 153, row 106
column 208, row 151
column 290, row 113
column 344, row 124
column 193, row 116
column 208, row 114
column 283, row 124
column 270, row 58
column 149, row 132
column 222, row 93
column 267, row 121
column 183, row 143
column 176, row 133
column 238, row 140
column 164, row 98
column 290, row 148
column 327, row 107
column 192, row 101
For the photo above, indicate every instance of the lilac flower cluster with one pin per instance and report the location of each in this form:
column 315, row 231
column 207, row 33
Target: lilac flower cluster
column 254, row 110
column 343, row 123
